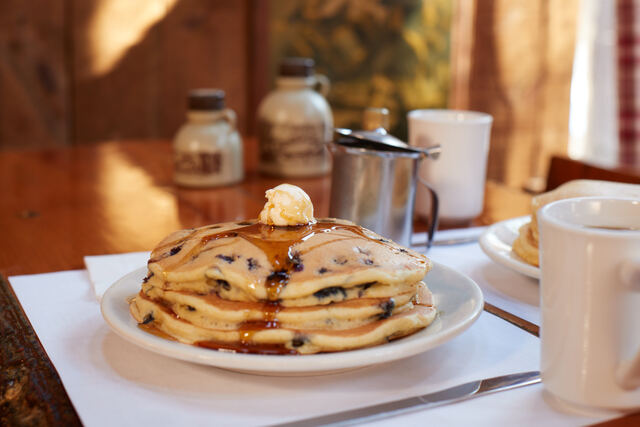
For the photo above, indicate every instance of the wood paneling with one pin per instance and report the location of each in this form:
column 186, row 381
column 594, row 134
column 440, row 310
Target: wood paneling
column 203, row 44
column 33, row 79
column 52, row 93
column 199, row 43
column 118, row 102
column 513, row 59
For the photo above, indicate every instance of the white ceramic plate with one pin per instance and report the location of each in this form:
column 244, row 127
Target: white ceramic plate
column 458, row 298
column 497, row 240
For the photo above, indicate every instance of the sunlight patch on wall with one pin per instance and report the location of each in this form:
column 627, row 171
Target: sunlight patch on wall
column 117, row 25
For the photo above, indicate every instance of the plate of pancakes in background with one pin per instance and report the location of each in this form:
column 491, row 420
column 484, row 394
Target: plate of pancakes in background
column 515, row 243
column 298, row 300
column 498, row 243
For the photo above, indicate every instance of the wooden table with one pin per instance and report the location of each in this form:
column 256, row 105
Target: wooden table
column 59, row 205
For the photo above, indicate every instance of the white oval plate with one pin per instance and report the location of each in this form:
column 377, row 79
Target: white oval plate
column 497, row 241
column 458, row 299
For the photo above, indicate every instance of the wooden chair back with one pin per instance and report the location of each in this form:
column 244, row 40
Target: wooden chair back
column 563, row 169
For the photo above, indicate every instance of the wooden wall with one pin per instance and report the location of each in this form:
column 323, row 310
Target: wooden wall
column 34, row 83
column 510, row 58
column 52, row 93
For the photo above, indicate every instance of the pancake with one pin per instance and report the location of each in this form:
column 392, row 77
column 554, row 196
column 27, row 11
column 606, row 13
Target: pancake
column 322, row 297
column 213, row 311
column 249, row 287
column 246, row 259
column 526, row 246
column 258, row 337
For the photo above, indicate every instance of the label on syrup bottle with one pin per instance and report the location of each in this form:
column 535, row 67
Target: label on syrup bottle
column 292, row 150
column 198, row 163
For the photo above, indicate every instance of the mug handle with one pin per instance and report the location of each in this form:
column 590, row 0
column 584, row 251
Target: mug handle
column 322, row 85
column 434, row 212
column 230, row 117
column 628, row 371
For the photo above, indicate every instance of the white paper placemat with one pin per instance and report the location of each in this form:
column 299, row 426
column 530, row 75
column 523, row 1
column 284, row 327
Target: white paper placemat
column 113, row 382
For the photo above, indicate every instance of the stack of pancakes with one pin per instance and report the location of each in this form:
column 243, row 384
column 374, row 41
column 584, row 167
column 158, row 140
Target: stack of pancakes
column 255, row 288
column 527, row 243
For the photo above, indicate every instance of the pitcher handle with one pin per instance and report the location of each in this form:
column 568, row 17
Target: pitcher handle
column 322, row 84
column 431, row 231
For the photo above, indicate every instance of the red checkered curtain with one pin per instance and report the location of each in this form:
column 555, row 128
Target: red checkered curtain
column 628, row 27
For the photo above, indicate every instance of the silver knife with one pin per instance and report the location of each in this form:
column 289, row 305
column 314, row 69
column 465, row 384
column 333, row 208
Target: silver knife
column 439, row 398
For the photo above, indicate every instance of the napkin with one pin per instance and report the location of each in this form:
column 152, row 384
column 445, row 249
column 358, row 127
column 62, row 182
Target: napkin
column 113, row 382
column 104, row 270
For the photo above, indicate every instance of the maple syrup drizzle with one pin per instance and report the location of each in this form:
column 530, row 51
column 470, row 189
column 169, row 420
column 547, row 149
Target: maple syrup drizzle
column 278, row 244
column 150, row 328
column 249, row 347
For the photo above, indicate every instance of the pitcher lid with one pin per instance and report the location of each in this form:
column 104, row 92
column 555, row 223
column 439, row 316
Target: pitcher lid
column 380, row 141
column 357, row 142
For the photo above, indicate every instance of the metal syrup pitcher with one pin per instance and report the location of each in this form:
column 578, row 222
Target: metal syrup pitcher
column 374, row 181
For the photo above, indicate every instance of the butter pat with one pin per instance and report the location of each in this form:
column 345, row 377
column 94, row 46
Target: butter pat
column 287, row 205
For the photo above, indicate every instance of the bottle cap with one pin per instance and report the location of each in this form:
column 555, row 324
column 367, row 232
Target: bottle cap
column 206, row 99
column 297, row 67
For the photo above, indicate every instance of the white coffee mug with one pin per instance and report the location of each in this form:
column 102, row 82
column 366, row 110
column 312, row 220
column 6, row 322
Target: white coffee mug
column 590, row 301
column 459, row 175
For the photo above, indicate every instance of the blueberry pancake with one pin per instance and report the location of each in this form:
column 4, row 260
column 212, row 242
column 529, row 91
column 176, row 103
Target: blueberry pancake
column 250, row 286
